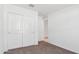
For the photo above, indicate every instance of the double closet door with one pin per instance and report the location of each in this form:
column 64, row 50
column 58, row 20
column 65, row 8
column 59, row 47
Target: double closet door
column 20, row 27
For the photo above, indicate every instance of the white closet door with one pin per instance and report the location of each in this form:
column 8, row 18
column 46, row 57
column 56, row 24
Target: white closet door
column 28, row 31
column 14, row 22
column 20, row 27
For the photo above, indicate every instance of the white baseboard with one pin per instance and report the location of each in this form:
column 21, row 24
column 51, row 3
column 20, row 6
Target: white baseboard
column 63, row 47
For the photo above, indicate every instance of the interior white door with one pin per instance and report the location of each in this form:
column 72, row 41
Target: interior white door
column 14, row 22
column 28, row 31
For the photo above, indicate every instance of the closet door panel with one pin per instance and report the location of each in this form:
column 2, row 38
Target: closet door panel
column 28, row 31
column 14, row 30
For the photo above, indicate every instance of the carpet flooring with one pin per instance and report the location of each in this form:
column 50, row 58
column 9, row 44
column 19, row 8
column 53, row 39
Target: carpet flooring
column 41, row 48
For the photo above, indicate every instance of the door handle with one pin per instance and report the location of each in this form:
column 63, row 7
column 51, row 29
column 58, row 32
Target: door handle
column 33, row 32
column 8, row 32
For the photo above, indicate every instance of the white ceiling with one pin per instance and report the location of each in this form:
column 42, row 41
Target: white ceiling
column 45, row 9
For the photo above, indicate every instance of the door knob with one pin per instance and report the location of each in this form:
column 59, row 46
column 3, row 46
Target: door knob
column 33, row 32
column 8, row 32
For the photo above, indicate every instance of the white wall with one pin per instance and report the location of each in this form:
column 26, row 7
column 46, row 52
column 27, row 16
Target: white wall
column 1, row 30
column 63, row 28
column 40, row 28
